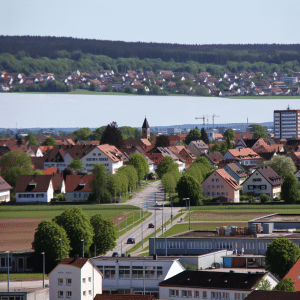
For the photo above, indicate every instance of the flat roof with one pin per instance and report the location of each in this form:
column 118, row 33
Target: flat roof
column 134, row 258
column 278, row 218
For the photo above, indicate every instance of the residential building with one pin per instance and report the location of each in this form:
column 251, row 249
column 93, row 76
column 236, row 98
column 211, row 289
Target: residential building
column 214, row 158
column 25, row 293
column 34, row 188
column 76, row 278
column 272, row 295
column 263, row 181
column 134, row 275
column 78, row 187
column 220, row 185
column 287, row 123
column 173, row 130
column 251, row 261
column 294, row 274
column 19, row 262
column 4, row 190
column 245, row 156
column 253, row 144
column 237, row 172
column 213, row 285
column 200, row 145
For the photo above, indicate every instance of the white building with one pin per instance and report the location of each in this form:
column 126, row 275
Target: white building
column 75, row 278
column 212, row 285
column 245, row 156
column 4, row 190
column 135, row 275
column 287, row 124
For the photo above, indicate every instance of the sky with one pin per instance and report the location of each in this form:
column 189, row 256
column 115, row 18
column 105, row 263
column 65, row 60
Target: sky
column 165, row 21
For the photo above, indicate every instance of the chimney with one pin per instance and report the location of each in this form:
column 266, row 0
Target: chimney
column 76, row 256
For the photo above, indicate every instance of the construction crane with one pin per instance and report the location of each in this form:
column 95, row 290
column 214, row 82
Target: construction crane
column 213, row 119
column 203, row 118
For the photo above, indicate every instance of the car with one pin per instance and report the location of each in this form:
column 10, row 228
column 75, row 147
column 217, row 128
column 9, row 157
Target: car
column 131, row 241
column 115, row 254
column 123, row 255
column 151, row 225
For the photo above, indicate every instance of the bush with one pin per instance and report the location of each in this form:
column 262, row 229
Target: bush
column 264, row 198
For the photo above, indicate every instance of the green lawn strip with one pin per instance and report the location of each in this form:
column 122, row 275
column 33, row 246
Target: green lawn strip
column 263, row 97
column 22, row 276
column 247, row 208
column 51, row 211
column 179, row 228
column 144, row 254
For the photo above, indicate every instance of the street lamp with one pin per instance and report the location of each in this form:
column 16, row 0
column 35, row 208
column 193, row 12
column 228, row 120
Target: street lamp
column 60, row 249
column 121, row 248
column 142, row 235
column 7, row 271
column 119, row 227
column 166, row 240
column 162, row 219
column 43, row 253
column 171, row 211
column 82, row 248
column 140, row 210
column 185, row 199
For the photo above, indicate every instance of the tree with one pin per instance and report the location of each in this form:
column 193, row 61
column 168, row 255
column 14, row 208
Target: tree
column 92, row 86
column 258, row 131
column 188, row 187
column 31, row 139
column 289, row 189
column 76, row 164
column 282, row 165
column 281, row 255
column 83, row 134
column 139, row 162
column 264, row 198
column 112, row 135
column 216, row 147
column 204, row 136
column 100, row 193
column 201, row 91
column 49, row 142
column 46, row 239
column 105, row 234
column 285, row 285
column 194, row 135
column 78, row 227
column 166, row 165
column 131, row 173
column 229, row 133
column 263, row 285
column 162, row 141
column 169, row 181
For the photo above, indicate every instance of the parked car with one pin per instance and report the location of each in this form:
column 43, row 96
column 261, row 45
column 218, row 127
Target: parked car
column 115, row 254
column 131, row 241
column 151, row 225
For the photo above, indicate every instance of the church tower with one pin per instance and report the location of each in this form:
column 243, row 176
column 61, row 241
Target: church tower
column 145, row 130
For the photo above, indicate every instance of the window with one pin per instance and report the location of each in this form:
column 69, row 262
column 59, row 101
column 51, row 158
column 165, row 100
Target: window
column 222, row 186
column 60, row 281
column 109, row 272
column 250, row 187
column 124, row 272
column 69, row 294
column 186, row 294
column 150, row 273
column 237, row 296
column 204, row 294
column 196, row 294
column 217, row 180
column 212, row 186
column 69, row 281
column 3, row 262
column 137, row 272
column 84, row 293
column 94, row 154
column 90, row 292
column 208, row 186
column 263, row 187
column 256, row 179
column 212, row 180
column 173, row 293
column 60, row 294
column 90, row 279
column 218, row 186
column 83, row 280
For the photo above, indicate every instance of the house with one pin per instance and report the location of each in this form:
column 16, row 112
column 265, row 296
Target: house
column 245, row 156
column 214, row 158
column 272, row 295
column 199, row 144
column 25, row 293
column 76, row 278
column 221, row 186
column 34, row 188
column 263, row 181
column 212, row 285
column 253, row 144
column 19, row 262
column 293, row 274
column 236, row 171
column 297, row 175
column 35, row 151
column 78, row 187
column 126, row 275
column 4, row 190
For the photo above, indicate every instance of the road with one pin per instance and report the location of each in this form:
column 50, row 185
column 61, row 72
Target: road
column 22, row 284
column 148, row 199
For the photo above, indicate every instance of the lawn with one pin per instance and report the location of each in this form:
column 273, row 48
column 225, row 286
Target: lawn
column 264, row 97
column 22, row 276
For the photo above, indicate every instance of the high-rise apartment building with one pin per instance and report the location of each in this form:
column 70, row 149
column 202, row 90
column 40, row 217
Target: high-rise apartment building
column 287, row 124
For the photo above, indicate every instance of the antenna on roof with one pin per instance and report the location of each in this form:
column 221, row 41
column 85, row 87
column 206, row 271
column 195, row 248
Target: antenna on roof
column 288, row 108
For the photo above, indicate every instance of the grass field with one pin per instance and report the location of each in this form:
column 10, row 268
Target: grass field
column 23, row 276
column 264, row 97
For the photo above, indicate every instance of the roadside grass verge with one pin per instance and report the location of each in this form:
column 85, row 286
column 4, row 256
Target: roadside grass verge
column 22, row 276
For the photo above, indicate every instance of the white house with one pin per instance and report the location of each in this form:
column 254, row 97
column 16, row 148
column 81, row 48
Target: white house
column 212, row 285
column 34, row 188
column 134, row 275
column 245, row 156
column 4, row 190
column 75, row 278
column 78, row 187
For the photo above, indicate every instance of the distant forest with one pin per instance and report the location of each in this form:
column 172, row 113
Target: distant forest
column 59, row 54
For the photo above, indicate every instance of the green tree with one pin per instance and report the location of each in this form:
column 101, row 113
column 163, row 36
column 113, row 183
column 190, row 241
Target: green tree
column 193, row 135
column 229, row 133
column 76, row 164
column 92, row 86
column 100, row 193
column 30, row 138
column 204, row 136
column 282, row 165
column 201, row 91
column 166, row 165
column 285, row 285
column 216, row 147
column 112, row 135
column 129, row 90
column 281, row 255
column 105, row 234
column 46, row 239
column 263, row 285
column 49, row 142
column 188, row 187
column 289, row 189
column 189, row 267
column 78, row 227
column 83, row 134
column 264, row 198
column 258, row 131
column 162, row 141
column 97, row 133
column 169, row 181
column 139, row 162
column 131, row 173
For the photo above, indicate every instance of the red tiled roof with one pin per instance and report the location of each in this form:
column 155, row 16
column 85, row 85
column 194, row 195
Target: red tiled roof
column 111, row 151
column 228, row 179
column 293, row 273
column 82, row 183
column 77, row 263
column 4, row 185
column 244, row 153
column 50, row 171
column 33, row 183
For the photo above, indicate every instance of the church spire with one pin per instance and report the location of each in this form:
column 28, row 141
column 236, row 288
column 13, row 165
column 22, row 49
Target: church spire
column 146, row 130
